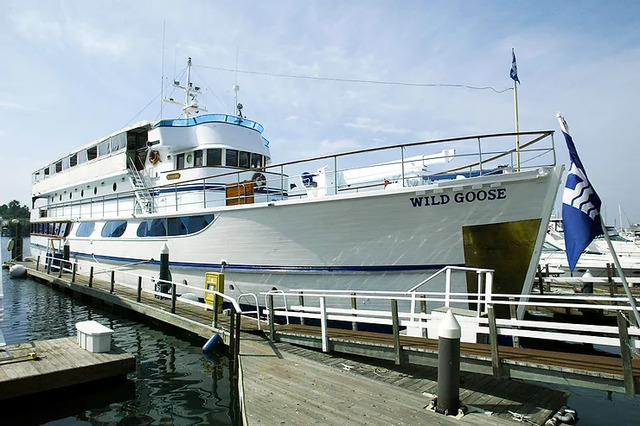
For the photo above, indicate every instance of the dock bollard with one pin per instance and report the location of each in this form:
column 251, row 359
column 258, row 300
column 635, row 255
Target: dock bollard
column 448, row 398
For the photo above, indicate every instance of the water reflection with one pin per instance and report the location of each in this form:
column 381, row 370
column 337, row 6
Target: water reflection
column 174, row 381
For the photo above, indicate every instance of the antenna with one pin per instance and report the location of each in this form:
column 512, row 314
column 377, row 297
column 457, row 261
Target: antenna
column 237, row 109
column 164, row 23
column 191, row 93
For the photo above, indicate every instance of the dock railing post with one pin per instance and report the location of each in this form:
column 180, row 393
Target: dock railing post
column 354, row 306
column 301, row 301
column 423, row 310
column 323, row 325
column 236, row 355
column 173, row 298
column 272, row 324
column 514, row 316
column 625, row 352
column 232, row 336
column 139, row 294
column 113, row 282
column 74, row 267
column 49, row 260
column 612, row 286
column 397, row 349
column 38, row 263
column 493, row 339
column 91, row 277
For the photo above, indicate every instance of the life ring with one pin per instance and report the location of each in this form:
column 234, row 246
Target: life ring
column 154, row 157
column 259, row 180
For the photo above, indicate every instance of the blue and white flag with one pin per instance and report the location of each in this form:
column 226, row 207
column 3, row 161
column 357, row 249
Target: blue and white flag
column 580, row 205
column 514, row 68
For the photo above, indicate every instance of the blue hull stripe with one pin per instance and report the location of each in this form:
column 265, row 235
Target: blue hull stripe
column 264, row 268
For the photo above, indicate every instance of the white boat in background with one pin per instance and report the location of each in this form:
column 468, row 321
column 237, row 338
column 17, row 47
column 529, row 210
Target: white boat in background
column 382, row 218
column 595, row 257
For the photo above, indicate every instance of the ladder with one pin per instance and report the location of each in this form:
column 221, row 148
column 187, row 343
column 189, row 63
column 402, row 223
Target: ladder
column 144, row 199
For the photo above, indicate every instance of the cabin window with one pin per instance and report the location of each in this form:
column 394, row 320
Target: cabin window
column 114, row 228
column 256, row 161
column 58, row 166
column 180, row 161
column 152, row 228
column 46, row 171
column 115, row 187
column 73, row 160
column 243, row 159
column 231, row 158
column 104, row 148
column 214, row 157
column 118, row 142
column 173, row 226
column 92, row 153
column 197, row 159
column 82, row 157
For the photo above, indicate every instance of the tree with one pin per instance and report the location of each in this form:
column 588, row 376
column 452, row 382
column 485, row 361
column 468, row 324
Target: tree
column 13, row 210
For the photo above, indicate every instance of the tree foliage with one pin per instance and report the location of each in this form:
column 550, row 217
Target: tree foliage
column 14, row 210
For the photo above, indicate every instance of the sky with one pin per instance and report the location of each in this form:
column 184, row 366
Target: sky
column 74, row 71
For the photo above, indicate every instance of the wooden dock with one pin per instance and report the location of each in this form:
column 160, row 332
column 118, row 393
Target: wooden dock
column 40, row 366
column 286, row 384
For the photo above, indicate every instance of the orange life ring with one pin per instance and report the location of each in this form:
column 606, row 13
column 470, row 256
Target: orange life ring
column 259, row 181
column 154, row 157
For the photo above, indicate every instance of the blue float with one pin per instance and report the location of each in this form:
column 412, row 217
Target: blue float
column 211, row 342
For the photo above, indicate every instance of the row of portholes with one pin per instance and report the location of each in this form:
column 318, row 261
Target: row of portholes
column 95, row 192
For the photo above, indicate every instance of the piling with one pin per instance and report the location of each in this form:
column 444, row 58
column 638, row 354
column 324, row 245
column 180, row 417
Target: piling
column 449, row 333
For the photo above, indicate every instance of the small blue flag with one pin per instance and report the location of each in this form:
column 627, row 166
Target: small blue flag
column 514, row 67
column 580, row 205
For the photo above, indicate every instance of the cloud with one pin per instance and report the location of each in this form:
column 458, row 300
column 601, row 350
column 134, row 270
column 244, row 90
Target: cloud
column 375, row 126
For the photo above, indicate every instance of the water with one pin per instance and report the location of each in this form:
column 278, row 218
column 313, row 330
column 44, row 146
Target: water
column 174, row 382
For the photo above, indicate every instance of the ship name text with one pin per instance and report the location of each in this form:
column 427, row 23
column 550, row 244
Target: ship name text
column 459, row 197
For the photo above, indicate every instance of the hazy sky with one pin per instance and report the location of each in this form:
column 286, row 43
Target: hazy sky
column 74, row 71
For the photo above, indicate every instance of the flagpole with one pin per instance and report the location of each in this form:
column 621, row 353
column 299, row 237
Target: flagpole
column 632, row 301
column 515, row 102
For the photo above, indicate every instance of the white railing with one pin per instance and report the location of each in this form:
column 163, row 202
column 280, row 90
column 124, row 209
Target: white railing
column 475, row 155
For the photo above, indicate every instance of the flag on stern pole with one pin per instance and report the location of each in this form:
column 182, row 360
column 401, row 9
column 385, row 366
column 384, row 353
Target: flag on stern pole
column 514, row 68
column 580, row 205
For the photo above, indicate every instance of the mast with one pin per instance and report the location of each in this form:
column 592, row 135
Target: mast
column 191, row 93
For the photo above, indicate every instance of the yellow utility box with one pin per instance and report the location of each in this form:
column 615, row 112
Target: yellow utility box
column 213, row 281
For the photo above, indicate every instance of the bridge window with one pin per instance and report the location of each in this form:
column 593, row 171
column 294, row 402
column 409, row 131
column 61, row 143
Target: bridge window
column 214, row 157
column 180, row 161
column 244, row 159
column 231, row 158
column 58, row 166
column 256, row 161
column 197, row 159
column 114, row 228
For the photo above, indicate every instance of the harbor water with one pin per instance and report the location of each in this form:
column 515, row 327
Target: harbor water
column 174, row 382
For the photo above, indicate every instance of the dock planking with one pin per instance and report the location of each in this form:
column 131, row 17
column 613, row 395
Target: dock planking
column 58, row 364
column 287, row 384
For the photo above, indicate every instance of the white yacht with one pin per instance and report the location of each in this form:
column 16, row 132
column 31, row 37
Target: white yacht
column 205, row 186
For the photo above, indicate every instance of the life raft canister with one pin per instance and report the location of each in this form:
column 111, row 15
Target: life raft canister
column 154, row 157
column 259, row 180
